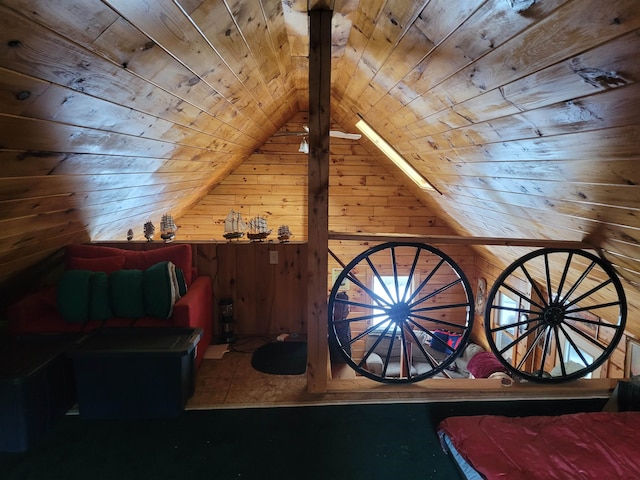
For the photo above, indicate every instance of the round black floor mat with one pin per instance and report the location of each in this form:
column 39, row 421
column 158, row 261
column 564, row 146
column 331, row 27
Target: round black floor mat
column 281, row 358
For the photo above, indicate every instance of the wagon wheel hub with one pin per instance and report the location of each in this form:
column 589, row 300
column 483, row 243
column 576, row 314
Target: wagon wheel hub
column 553, row 315
column 399, row 313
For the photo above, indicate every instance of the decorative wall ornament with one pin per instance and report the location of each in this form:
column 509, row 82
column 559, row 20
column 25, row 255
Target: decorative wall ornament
column 481, row 295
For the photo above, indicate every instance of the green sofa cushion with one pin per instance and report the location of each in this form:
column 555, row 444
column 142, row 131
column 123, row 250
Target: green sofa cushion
column 99, row 302
column 160, row 289
column 73, row 295
column 84, row 295
column 126, row 293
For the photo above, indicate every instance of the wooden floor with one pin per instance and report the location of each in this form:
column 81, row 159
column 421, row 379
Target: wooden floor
column 231, row 382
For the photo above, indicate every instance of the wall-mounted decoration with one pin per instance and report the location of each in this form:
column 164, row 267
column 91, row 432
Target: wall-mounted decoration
column 632, row 364
column 345, row 285
column 481, row 295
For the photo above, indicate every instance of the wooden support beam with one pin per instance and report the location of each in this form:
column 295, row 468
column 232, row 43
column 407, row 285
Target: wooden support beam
column 318, row 198
column 456, row 240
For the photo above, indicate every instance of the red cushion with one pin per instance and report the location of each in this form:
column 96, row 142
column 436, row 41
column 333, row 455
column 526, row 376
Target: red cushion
column 484, row 364
column 104, row 264
column 179, row 254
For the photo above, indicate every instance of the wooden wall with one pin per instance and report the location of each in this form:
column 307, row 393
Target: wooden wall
column 364, row 196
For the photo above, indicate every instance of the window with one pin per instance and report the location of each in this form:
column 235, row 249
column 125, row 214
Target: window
column 588, row 352
column 504, row 317
column 507, row 317
column 381, row 321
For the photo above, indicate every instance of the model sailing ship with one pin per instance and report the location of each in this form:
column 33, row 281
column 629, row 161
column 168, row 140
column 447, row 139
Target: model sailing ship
column 149, row 230
column 258, row 229
column 168, row 228
column 284, row 233
column 234, row 227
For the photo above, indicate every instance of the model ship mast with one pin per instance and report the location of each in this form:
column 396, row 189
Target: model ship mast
column 234, row 226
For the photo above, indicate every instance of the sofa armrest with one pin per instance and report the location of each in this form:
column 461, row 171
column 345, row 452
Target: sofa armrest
column 194, row 310
column 34, row 313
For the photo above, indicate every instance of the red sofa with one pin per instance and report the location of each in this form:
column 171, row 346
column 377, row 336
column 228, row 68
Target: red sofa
column 38, row 312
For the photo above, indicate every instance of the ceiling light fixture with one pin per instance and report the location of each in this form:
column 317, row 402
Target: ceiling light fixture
column 394, row 156
column 304, row 146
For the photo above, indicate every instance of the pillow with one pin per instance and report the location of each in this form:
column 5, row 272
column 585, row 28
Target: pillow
column 454, row 339
column 99, row 302
column 160, row 289
column 628, row 396
column 179, row 255
column 126, row 293
column 103, row 264
column 182, row 282
column 439, row 339
column 484, row 364
column 73, row 295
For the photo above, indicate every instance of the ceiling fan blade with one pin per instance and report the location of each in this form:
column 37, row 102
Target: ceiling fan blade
column 348, row 136
column 332, row 133
column 290, row 134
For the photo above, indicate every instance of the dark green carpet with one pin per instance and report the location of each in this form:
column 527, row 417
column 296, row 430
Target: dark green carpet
column 349, row 442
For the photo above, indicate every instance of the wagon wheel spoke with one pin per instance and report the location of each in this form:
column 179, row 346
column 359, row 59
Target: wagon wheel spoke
column 410, row 313
column 566, row 325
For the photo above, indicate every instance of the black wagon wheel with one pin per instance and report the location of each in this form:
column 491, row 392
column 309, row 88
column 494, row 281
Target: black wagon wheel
column 568, row 323
column 400, row 312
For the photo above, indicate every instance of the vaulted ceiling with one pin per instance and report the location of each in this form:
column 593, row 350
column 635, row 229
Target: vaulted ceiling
column 522, row 113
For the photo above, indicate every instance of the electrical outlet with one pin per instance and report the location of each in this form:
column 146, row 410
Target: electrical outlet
column 273, row 257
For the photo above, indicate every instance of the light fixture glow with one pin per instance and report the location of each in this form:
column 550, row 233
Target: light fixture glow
column 304, row 146
column 394, row 156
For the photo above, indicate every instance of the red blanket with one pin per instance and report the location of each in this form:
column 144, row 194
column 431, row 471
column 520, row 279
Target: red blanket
column 581, row 446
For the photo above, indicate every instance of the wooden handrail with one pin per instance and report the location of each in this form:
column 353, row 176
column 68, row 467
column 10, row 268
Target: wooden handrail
column 459, row 240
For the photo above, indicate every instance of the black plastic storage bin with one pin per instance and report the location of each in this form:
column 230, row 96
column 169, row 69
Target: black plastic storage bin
column 135, row 372
column 36, row 387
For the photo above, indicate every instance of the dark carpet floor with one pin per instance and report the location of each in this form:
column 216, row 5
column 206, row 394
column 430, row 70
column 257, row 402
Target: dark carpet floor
column 347, row 442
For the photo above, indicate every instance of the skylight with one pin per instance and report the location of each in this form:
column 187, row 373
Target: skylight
column 394, row 156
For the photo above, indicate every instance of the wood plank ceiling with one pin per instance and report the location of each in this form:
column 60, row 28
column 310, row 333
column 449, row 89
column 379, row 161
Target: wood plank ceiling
column 522, row 113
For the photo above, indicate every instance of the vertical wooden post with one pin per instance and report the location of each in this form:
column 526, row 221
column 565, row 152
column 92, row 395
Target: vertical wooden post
column 318, row 198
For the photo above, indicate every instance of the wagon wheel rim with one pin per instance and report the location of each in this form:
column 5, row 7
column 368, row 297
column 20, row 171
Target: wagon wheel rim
column 394, row 320
column 569, row 323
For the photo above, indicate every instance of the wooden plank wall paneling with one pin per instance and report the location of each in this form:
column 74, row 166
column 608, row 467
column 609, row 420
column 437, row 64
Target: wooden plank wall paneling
column 113, row 113
column 268, row 298
column 363, row 197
